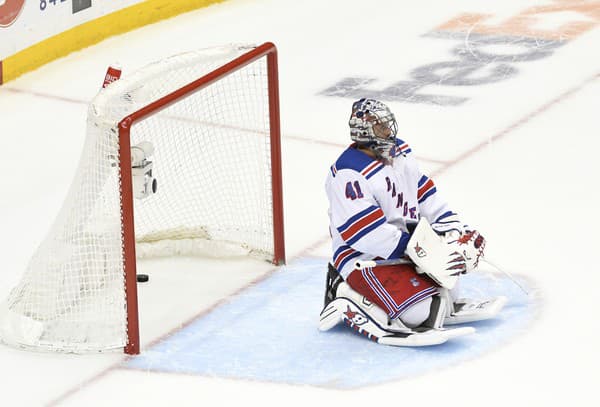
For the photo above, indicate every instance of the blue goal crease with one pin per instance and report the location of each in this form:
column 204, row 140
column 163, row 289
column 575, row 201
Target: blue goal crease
column 269, row 333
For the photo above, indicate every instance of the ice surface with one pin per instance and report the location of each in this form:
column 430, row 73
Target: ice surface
column 499, row 101
column 269, row 333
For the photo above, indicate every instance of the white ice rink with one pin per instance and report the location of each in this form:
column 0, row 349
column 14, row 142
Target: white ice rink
column 501, row 111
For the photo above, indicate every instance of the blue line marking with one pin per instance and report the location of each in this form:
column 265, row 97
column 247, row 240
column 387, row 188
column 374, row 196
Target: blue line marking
column 269, row 333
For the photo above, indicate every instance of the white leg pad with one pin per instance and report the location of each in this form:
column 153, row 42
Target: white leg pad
column 466, row 310
column 417, row 314
column 370, row 321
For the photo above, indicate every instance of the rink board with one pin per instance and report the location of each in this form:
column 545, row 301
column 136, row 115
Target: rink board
column 269, row 333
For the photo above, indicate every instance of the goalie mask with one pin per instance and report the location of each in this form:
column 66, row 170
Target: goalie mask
column 373, row 125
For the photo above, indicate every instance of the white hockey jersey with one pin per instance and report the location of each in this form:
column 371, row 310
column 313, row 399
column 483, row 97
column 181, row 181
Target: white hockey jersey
column 372, row 206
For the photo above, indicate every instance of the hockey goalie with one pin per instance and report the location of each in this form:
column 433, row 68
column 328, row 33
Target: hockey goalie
column 398, row 248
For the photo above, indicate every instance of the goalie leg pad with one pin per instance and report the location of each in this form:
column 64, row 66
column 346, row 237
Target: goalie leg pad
column 332, row 281
column 437, row 312
column 347, row 311
column 367, row 307
column 464, row 310
column 417, row 314
column 343, row 304
column 467, row 310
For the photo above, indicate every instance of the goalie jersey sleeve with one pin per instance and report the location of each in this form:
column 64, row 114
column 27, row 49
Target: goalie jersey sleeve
column 372, row 206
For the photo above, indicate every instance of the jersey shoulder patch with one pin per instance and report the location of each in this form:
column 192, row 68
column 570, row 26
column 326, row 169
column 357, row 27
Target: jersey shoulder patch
column 353, row 159
column 426, row 188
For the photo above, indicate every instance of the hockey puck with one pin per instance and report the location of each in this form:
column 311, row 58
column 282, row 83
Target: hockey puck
column 142, row 278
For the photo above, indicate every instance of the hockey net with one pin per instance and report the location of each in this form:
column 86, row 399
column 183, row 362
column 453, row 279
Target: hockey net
column 212, row 120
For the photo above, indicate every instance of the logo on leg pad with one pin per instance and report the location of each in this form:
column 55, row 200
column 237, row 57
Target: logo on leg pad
column 355, row 317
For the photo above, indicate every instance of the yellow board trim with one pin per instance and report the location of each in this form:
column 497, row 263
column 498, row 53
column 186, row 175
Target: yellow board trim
column 92, row 32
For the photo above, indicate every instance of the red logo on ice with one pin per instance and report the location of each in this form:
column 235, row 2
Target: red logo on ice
column 9, row 11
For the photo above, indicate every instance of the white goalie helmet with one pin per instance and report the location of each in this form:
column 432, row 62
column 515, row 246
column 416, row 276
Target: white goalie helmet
column 373, row 125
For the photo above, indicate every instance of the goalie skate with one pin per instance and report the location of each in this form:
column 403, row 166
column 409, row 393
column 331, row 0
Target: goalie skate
column 394, row 333
column 466, row 310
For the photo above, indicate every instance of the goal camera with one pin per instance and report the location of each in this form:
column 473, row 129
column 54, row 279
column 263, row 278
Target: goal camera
column 144, row 184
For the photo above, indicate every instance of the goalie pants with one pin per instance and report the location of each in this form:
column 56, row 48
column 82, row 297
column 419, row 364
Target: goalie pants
column 393, row 288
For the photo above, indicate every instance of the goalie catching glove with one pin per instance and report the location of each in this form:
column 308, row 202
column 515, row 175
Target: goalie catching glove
column 471, row 245
column 470, row 242
column 444, row 258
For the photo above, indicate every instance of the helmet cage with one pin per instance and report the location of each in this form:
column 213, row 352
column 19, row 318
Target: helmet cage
column 374, row 126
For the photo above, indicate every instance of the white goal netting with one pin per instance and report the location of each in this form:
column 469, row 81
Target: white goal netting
column 211, row 162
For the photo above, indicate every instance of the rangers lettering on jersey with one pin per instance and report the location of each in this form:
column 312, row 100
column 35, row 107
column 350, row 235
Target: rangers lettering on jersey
column 373, row 204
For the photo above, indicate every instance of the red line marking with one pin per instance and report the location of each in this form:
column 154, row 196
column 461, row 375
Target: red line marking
column 507, row 130
column 44, row 95
column 285, row 136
